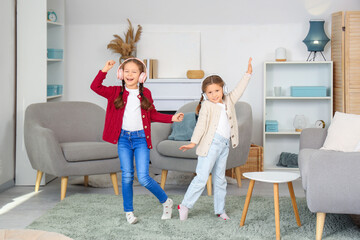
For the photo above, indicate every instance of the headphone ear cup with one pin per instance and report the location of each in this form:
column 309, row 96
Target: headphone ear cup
column 204, row 96
column 225, row 89
column 120, row 73
column 142, row 77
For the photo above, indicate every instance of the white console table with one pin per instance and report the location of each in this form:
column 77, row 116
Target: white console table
column 170, row 94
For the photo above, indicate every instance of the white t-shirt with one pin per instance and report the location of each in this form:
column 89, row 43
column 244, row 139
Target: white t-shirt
column 223, row 127
column 132, row 116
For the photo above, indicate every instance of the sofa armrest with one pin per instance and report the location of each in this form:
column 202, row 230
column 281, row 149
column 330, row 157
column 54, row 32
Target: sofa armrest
column 44, row 150
column 313, row 138
column 331, row 180
column 159, row 132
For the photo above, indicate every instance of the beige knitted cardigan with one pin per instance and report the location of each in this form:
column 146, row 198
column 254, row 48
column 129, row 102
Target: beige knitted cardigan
column 209, row 116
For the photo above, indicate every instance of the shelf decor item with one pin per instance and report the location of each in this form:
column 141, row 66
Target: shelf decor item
column 280, row 54
column 271, row 126
column 316, row 39
column 51, row 15
column 299, row 123
column 195, row 74
column 55, row 53
column 320, row 124
column 308, row 91
column 125, row 47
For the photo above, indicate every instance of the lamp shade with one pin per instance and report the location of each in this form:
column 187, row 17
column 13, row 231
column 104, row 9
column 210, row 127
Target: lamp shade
column 316, row 38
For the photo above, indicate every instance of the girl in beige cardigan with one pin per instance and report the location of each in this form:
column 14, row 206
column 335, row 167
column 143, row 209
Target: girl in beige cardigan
column 215, row 127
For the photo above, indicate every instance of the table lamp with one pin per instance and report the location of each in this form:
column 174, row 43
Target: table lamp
column 316, row 39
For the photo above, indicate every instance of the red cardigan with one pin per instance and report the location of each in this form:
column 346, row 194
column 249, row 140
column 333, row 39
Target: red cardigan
column 114, row 117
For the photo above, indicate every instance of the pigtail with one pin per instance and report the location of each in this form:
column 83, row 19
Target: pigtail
column 199, row 105
column 119, row 101
column 145, row 103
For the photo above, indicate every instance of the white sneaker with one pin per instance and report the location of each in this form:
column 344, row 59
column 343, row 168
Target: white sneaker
column 131, row 218
column 167, row 209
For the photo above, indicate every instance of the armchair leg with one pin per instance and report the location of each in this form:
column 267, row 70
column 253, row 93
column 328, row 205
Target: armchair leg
column 320, row 220
column 238, row 176
column 64, row 181
column 163, row 178
column 209, row 186
column 86, row 180
column 114, row 181
column 38, row 180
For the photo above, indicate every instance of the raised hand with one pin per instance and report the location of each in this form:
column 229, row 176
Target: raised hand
column 187, row 147
column 177, row 117
column 108, row 65
column 249, row 66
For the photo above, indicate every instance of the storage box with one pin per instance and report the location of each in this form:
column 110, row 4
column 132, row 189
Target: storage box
column 52, row 90
column 254, row 163
column 53, row 53
column 60, row 89
column 271, row 126
column 308, row 91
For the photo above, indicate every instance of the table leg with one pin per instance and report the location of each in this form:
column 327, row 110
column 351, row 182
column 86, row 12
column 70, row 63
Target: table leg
column 247, row 202
column 277, row 212
column 293, row 200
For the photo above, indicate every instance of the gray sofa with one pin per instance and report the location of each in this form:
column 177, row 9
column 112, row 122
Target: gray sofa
column 65, row 139
column 331, row 179
column 166, row 155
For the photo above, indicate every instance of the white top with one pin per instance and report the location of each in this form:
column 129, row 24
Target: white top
column 272, row 177
column 223, row 127
column 132, row 116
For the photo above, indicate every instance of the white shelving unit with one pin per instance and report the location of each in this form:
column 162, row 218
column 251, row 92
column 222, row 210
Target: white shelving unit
column 170, row 94
column 55, row 39
column 34, row 71
column 284, row 108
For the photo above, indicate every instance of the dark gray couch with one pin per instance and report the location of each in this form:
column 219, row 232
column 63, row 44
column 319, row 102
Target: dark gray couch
column 166, row 155
column 331, row 179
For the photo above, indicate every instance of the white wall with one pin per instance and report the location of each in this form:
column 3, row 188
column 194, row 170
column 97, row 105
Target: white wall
column 7, row 93
column 231, row 32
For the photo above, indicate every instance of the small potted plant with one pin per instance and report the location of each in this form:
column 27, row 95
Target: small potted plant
column 125, row 47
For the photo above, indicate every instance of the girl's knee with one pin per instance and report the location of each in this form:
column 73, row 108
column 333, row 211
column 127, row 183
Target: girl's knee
column 144, row 179
column 127, row 177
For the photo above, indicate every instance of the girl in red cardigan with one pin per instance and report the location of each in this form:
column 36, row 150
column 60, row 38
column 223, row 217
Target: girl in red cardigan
column 129, row 114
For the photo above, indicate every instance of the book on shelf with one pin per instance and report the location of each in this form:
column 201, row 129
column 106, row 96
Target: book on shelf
column 152, row 67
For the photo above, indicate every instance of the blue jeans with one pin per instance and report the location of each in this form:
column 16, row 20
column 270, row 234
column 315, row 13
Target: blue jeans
column 215, row 163
column 134, row 144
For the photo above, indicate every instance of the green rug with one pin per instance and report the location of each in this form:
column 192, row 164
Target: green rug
column 93, row 216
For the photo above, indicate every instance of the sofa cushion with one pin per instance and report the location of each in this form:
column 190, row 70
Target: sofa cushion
column 343, row 133
column 170, row 148
column 182, row 131
column 84, row 151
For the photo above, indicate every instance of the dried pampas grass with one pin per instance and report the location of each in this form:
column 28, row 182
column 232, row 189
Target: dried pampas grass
column 125, row 47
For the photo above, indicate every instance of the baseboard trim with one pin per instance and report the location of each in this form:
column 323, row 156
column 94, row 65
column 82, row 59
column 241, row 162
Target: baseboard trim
column 7, row 185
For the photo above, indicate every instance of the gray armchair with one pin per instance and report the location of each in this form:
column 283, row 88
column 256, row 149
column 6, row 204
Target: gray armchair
column 65, row 139
column 330, row 178
column 166, row 155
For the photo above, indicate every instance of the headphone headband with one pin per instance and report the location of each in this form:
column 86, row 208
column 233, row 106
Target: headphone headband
column 120, row 71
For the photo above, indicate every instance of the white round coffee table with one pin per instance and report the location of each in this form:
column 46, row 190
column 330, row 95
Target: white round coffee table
column 275, row 178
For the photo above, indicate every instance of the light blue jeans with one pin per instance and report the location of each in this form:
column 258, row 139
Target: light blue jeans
column 130, row 145
column 215, row 163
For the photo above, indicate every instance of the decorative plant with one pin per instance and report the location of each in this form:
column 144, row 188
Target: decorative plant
column 125, row 47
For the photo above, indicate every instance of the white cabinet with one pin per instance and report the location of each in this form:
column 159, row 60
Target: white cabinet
column 284, row 108
column 169, row 94
column 34, row 71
